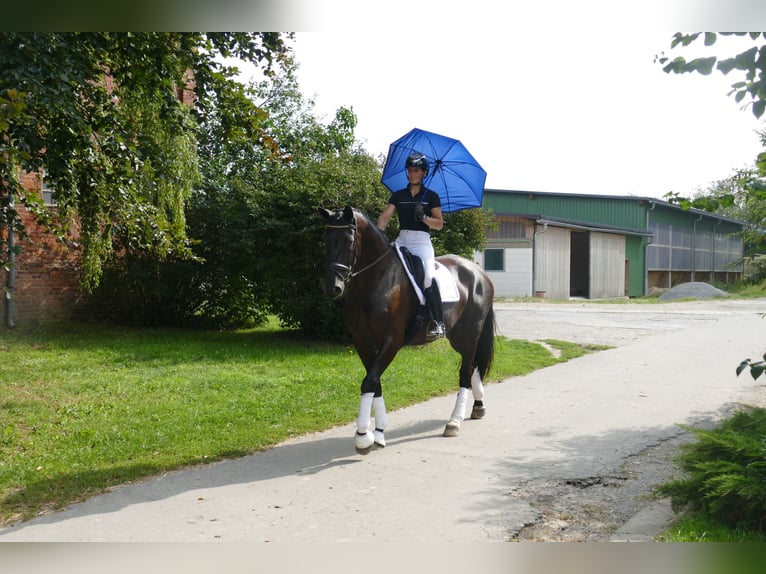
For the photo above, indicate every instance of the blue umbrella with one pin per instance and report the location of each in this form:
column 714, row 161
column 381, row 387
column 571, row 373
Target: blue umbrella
column 454, row 173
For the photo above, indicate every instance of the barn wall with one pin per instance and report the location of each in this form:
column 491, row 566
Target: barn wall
column 516, row 278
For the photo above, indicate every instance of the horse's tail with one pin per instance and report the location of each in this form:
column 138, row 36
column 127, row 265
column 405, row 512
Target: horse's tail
column 485, row 349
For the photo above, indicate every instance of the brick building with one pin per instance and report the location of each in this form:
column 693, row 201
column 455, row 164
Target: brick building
column 46, row 272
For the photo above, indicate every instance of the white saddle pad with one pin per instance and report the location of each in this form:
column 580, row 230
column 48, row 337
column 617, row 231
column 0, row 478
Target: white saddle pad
column 447, row 284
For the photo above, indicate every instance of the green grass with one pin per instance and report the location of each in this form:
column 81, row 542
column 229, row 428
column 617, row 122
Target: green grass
column 84, row 408
column 696, row 527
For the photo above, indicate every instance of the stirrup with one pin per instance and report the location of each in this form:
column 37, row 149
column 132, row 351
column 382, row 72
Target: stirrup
column 435, row 331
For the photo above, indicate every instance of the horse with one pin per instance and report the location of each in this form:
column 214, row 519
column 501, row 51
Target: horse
column 378, row 306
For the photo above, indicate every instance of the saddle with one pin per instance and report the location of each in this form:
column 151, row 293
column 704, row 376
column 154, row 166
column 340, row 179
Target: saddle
column 413, row 265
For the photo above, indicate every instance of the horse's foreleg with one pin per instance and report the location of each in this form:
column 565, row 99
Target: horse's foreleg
column 372, row 398
column 364, row 438
column 381, row 420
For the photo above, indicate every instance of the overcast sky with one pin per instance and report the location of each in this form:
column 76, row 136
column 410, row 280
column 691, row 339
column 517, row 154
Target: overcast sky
column 573, row 111
column 557, row 96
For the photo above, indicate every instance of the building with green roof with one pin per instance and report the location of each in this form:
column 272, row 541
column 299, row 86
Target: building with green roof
column 560, row 245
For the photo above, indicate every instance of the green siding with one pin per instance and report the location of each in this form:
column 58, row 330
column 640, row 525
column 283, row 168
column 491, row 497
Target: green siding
column 618, row 212
column 635, row 252
column 695, row 220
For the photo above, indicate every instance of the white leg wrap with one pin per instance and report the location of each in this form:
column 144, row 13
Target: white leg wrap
column 363, row 421
column 459, row 413
column 364, row 438
column 381, row 420
column 476, row 386
column 379, row 407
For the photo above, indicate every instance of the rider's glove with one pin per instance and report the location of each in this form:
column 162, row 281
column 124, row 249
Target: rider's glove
column 419, row 215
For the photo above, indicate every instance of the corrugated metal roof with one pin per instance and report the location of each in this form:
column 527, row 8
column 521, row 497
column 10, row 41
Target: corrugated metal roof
column 586, row 226
column 623, row 198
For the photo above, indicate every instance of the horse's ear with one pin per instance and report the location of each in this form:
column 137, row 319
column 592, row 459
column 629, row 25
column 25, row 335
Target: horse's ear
column 326, row 213
column 348, row 213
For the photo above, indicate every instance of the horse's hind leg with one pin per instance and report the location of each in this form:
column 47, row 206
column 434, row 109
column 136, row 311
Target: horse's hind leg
column 478, row 410
column 458, row 413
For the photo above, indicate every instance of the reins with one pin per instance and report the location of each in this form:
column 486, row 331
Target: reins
column 366, row 267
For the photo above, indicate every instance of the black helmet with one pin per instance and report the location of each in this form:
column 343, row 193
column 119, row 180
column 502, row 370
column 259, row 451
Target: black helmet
column 416, row 159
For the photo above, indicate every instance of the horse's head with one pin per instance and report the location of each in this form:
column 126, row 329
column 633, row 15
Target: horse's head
column 340, row 244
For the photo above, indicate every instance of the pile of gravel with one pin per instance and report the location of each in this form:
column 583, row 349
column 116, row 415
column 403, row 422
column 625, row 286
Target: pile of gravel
column 693, row 290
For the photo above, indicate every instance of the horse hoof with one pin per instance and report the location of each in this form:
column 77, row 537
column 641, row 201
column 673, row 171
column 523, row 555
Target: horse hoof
column 364, row 442
column 478, row 412
column 380, row 439
column 452, row 429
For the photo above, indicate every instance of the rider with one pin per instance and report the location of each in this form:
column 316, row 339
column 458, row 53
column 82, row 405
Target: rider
column 419, row 210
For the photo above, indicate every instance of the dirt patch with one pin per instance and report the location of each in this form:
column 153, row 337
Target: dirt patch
column 592, row 508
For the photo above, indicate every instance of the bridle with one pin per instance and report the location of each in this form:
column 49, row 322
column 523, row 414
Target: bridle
column 346, row 272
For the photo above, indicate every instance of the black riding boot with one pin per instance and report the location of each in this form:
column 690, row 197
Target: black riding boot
column 434, row 301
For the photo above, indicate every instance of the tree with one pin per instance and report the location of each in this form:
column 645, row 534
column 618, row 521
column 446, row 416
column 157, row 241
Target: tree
column 256, row 237
column 101, row 114
column 752, row 62
column 746, row 191
column 744, row 194
column 272, row 239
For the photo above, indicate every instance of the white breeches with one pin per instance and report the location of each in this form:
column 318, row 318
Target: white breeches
column 419, row 243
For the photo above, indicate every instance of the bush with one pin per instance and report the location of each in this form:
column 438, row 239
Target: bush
column 726, row 472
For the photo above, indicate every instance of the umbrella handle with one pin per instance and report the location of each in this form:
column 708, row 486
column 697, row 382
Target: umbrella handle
column 437, row 164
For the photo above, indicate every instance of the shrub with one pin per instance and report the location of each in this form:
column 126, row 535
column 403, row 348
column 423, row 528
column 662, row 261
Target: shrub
column 726, row 472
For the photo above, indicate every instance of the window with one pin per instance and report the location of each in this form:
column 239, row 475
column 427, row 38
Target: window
column 494, row 260
column 508, row 228
column 49, row 194
column 671, row 250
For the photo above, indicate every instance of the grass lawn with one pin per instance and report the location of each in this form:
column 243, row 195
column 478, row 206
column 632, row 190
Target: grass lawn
column 697, row 527
column 84, row 407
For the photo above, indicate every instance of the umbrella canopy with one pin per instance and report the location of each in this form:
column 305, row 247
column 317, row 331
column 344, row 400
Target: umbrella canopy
column 454, row 173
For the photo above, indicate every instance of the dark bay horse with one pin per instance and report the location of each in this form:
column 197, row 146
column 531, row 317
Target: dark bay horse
column 380, row 303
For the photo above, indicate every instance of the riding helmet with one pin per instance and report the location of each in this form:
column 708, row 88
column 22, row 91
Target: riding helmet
column 417, row 159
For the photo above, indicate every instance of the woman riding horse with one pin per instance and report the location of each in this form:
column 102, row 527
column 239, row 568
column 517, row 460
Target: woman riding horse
column 380, row 304
column 419, row 210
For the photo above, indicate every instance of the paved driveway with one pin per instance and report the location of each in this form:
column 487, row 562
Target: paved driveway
column 574, row 424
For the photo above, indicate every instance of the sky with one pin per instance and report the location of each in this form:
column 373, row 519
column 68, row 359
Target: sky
column 571, row 111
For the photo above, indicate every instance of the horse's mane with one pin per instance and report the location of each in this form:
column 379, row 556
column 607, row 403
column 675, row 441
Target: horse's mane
column 371, row 225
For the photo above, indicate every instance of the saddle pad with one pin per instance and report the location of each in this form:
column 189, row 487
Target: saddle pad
column 444, row 279
column 447, row 284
